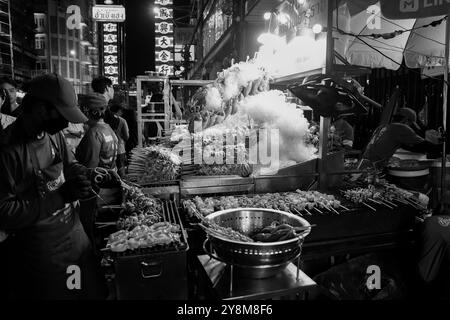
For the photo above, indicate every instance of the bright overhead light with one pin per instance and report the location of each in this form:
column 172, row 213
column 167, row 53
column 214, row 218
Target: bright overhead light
column 301, row 1
column 155, row 10
column 283, row 18
column 317, row 28
column 72, row 52
column 267, row 15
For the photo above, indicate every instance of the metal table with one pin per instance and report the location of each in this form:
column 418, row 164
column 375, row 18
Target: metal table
column 283, row 285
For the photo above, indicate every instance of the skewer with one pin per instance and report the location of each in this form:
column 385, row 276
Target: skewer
column 309, row 213
column 386, row 205
column 337, row 212
column 372, row 208
column 375, row 201
column 321, row 212
column 389, row 202
column 344, row 207
column 297, row 212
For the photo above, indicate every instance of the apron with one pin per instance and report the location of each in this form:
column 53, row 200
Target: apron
column 46, row 250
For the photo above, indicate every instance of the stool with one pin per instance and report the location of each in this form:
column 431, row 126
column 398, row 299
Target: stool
column 282, row 285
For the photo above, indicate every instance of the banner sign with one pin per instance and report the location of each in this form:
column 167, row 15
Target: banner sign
column 164, row 37
column 108, row 13
column 408, row 9
column 110, row 51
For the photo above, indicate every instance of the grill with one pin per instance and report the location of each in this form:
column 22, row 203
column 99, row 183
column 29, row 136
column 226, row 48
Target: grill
column 157, row 273
column 170, row 214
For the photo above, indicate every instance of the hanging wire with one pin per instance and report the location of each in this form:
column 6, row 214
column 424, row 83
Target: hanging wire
column 400, row 64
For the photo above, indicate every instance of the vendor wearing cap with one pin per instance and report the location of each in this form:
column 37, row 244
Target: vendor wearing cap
column 98, row 148
column 40, row 185
column 398, row 134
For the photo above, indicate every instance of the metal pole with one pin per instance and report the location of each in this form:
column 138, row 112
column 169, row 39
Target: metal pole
column 11, row 45
column 444, row 111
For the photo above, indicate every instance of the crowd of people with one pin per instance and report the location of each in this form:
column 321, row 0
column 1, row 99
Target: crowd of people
column 57, row 163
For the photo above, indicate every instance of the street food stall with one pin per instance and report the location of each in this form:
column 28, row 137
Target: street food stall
column 256, row 219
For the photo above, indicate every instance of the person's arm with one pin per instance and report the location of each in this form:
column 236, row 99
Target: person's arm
column 412, row 142
column 16, row 213
column 348, row 136
column 72, row 167
column 88, row 151
column 125, row 131
column 425, row 147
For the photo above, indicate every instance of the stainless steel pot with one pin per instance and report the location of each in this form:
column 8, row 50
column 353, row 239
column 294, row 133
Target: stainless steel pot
column 254, row 259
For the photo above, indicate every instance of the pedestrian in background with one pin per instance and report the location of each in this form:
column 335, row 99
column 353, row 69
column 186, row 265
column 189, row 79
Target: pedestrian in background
column 120, row 127
column 13, row 108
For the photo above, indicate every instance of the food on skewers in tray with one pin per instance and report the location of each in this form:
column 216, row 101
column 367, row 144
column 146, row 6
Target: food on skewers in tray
column 153, row 164
column 139, row 209
column 383, row 194
column 300, row 202
column 161, row 233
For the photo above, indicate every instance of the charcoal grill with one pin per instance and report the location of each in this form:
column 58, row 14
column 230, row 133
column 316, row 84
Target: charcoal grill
column 254, row 259
column 152, row 273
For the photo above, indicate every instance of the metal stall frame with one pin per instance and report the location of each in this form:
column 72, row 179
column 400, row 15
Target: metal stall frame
column 168, row 99
column 333, row 69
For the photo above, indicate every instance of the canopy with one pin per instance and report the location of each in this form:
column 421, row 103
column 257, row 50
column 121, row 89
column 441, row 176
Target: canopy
column 421, row 47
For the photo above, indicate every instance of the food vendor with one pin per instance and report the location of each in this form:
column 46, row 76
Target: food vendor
column 40, row 185
column 398, row 134
column 344, row 131
column 98, row 148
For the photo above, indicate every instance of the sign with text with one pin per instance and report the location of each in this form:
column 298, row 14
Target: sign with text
column 407, row 9
column 164, row 27
column 164, row 42
column 164, row 37
column 108, row 13
column 110, row 51
column 164, row 2
column 164, row 13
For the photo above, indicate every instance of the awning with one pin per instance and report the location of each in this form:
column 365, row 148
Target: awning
column 420, row 47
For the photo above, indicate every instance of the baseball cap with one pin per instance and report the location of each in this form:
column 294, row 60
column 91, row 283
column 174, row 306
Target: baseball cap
column 410, row 115
column 96, row 102
column 58, row 91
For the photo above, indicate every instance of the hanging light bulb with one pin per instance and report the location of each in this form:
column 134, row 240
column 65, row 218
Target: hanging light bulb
column 267, row 16
column 317, row 28
column 283, row 18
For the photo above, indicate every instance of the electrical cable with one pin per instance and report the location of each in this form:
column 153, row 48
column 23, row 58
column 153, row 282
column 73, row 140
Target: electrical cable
column 399, row 64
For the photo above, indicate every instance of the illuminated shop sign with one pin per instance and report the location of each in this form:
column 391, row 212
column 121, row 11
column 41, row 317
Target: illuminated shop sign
column 108, row 13
column 164, row 37
column 110, row 52
column 164, row 42
column 164, row 28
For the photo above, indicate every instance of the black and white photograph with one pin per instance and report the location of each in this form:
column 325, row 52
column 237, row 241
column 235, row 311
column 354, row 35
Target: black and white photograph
column 224, row 159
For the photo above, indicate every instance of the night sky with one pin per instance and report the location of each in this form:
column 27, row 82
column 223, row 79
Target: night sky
column 140, row 35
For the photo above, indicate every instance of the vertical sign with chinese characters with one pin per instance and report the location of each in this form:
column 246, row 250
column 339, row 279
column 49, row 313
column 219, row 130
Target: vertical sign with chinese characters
column 110, row 51
column 164, row 44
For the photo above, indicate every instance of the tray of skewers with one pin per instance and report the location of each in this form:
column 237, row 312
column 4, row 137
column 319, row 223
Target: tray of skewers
column 143, row 225
column 386, row 195
column 302, row 203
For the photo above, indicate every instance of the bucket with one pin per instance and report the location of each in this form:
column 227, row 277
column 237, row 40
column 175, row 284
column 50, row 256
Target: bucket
column 416, row 179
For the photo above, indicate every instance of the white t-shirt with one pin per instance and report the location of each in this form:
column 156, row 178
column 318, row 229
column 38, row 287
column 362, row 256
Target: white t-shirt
column 6, row 120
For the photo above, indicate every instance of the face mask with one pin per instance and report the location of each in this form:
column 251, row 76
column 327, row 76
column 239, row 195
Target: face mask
column 53, row 127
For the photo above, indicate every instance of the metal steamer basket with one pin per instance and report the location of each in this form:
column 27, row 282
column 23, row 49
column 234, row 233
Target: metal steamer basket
column 254, row 259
